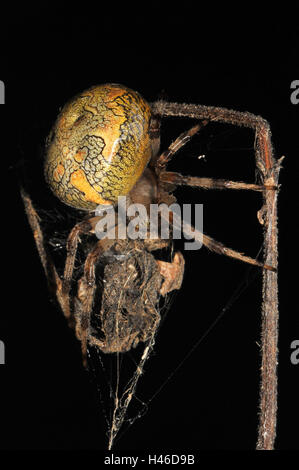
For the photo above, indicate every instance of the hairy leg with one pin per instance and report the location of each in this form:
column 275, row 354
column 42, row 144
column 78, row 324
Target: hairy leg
column 54, row 281
column 83, row 227
column 183, row 138
column 86, row 291
column 209, row 183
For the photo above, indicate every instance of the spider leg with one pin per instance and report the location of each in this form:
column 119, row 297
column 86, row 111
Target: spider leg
column 154, row 132
column 54, row 281
column 83, row 227
column 221, row 249
column 86, row 291
column 218, row 247
column 183, row 138
column 33, row 219
column 209, row 183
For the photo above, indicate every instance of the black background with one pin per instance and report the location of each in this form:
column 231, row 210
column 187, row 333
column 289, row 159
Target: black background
column 242, row 61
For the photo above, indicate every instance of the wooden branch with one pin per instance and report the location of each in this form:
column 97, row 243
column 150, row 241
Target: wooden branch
column 270, row 315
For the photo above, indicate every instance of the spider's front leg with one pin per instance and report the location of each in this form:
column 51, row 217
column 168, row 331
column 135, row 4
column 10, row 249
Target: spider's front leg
column 61, row 287
column 86, row 227
column 53, row 279
column 86, row 292
column 177, row 179
column 57, row 286
column 47, row 263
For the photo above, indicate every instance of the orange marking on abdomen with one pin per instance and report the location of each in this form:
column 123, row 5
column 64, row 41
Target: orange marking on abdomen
column 80, row 155
column 58, row 172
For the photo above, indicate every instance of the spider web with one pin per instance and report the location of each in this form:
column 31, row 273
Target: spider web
column 116, row 385
column 121, row 399
column 117, row 378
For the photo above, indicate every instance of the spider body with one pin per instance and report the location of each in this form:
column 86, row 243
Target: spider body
column 105, row 144
column 99, row 146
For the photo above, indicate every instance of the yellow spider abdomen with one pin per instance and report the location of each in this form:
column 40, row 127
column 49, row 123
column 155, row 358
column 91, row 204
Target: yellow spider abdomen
column 98, row 147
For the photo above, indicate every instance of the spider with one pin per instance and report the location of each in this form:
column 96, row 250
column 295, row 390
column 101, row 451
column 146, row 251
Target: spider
column 104, row 144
